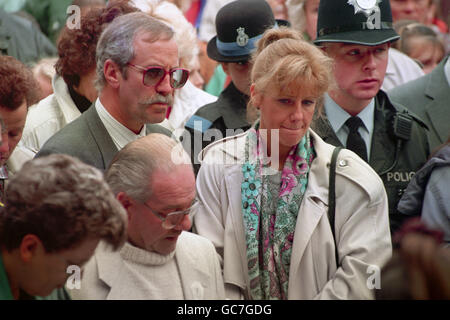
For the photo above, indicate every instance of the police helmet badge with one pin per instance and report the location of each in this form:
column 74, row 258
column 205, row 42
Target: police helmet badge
column 370, row 9
column 356, row 22
column 242, row 38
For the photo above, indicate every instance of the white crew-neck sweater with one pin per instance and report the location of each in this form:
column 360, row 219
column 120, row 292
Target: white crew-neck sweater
column 155, row 275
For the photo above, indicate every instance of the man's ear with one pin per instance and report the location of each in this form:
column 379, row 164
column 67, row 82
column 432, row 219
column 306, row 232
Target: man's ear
column 255, row 96
column 30, row 246
column 124, row 199
column 126, row 202
column 112, row 73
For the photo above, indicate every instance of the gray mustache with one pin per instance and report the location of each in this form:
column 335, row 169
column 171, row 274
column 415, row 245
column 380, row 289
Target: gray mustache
column 159, row 99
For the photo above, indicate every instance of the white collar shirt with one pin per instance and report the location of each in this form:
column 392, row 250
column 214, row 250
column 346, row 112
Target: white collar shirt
column 120, row 134
column 338, row 116
column 447, row 70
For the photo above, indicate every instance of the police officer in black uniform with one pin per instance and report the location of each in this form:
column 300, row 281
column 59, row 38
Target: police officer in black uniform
column 357, row 114
column 239, row 25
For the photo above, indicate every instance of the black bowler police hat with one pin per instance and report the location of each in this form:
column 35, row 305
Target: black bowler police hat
column 366, row 22
column 239, row 24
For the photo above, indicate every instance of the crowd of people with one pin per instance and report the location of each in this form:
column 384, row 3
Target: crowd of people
column 217, row 149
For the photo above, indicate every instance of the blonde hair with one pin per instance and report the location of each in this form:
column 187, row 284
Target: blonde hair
column 284, row 60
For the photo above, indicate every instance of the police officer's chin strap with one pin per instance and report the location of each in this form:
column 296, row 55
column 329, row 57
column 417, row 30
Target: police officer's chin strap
column 401, row 127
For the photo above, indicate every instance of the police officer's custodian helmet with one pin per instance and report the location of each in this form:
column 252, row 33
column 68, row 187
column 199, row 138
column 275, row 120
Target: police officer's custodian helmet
column 365, row 22
column 239, row 24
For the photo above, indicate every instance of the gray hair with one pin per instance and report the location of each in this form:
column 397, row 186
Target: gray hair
column 132, row 168
column 62, row 201
column 185, row 34
column 116, row 41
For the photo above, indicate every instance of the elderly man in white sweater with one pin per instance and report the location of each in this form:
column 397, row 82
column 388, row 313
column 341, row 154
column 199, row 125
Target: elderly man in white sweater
column 153, row 179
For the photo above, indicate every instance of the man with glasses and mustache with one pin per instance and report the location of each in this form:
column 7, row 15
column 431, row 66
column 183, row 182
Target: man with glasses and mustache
column 154, row 180
column 137, row 73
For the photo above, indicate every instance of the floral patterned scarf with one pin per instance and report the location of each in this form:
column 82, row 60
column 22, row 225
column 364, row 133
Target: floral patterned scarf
column 270, row 235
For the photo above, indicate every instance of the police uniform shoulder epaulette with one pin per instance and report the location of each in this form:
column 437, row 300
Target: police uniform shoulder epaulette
column 203, row 119
column 198, row 123
column 402, row 109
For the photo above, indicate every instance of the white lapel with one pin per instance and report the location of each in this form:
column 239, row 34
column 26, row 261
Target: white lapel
column 195, row 280
column 310, row 212
column 110, row 271
column 67, row 107
column 233, row 178
column 307, row 222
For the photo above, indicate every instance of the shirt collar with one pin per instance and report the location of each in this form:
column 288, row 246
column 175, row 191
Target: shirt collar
column 120, row 134
column 5, row 290
column 3, row 172
column 447, row 70
column 337, row 116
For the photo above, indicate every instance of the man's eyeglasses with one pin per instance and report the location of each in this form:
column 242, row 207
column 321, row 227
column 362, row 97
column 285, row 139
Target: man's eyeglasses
column 153, row 76
column 173, row 219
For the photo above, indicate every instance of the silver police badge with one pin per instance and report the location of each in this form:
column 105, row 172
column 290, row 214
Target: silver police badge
column 242, row 38
column 371, row 10
column 365, row 6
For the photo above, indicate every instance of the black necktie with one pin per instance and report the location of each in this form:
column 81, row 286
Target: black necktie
column 354, row 140
column 2, row 192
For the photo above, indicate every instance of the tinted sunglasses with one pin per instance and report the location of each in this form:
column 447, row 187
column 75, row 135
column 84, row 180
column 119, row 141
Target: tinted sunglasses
column 153, row 76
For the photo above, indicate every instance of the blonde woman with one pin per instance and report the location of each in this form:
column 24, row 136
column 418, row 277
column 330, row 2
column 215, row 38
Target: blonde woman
column 264, row 193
